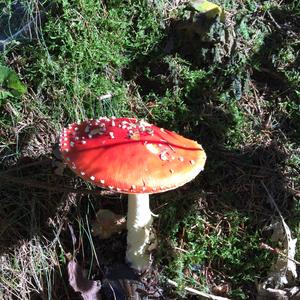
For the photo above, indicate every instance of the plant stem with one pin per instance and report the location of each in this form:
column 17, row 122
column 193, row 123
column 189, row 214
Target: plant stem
column 139, row 220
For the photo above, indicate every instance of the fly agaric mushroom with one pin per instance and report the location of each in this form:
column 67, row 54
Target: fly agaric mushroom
column 133, row 157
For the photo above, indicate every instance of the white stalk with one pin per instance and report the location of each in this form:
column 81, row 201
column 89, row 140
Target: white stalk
column 139, row 220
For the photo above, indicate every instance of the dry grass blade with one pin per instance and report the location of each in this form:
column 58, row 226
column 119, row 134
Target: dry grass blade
column 196, row 292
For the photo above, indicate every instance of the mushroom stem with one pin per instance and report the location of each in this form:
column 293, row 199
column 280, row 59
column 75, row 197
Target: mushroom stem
column 139, row 220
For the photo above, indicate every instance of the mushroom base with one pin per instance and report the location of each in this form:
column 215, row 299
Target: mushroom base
column 139, row 221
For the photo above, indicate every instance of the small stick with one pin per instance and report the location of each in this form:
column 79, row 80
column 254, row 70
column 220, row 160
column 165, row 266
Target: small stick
column 277, row 251
column 182, row 250
column 196, row 292
column 271, row 17
column 104, row 97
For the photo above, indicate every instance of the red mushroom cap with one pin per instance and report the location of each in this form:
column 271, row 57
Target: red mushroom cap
column 130, row 156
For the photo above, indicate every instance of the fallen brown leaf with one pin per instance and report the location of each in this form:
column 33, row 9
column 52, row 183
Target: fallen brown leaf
column 107, row 223
column 89, row 289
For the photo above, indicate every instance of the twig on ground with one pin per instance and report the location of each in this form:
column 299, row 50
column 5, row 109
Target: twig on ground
column 196, row 292
column 273, row 203
column 277, row 251
column 105, row 97
column 271, row 17
column 182, row 250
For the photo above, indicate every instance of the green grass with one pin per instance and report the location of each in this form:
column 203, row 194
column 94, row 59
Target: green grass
column 217, row 240
column 237, row 93
column 212, row 247
column 89, row 46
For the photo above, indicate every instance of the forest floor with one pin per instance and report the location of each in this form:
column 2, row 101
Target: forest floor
column 231, row 83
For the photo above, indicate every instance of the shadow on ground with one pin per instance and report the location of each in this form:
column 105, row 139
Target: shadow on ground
column 37, row 208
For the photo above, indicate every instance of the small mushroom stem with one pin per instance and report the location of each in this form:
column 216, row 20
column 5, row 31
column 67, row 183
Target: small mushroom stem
column 139, row 220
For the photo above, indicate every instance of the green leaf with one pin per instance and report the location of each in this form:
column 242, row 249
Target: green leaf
column 3, row 95
column 10, row 83
column 211, row 10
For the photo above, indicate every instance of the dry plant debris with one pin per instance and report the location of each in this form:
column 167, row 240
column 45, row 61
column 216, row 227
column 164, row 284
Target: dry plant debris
column 283, row 273
column 107, row 223
column 88, row 289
